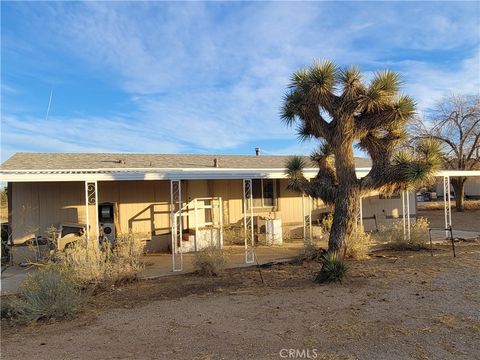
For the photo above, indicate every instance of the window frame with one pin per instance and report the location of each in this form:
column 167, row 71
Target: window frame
column 274, row 198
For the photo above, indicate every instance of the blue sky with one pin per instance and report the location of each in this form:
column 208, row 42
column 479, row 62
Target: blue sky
column 208, row 77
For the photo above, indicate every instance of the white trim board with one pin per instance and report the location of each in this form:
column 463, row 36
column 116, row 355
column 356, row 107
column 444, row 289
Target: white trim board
column 119, row 174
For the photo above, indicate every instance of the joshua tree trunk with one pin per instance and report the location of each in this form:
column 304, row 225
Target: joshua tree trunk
column 348, row 197
column 458, row 184
column 344, row 218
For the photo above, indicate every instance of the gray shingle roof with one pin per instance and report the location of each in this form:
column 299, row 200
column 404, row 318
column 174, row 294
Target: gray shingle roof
column 60, row 161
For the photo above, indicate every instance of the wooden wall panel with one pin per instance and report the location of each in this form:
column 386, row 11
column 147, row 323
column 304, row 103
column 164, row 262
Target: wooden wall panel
column 36, row 206
column 143, row 206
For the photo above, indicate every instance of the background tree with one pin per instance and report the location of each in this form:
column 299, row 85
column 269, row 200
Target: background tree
column 455, row 122
column 336, row 107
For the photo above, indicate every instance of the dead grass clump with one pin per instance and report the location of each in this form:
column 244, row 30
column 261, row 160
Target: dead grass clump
column 327, row 222
column 102, row 265
column 311, row 252
column 233, row 235
column 439, row 205
column 209, row 261
column 358, row 245
column 394, row 236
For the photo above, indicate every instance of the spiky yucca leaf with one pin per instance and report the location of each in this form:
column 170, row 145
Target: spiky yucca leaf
column 350, row 76
column 323, row 151
column 351, row 80
column 430, row 151
column 304, row 132
column 405, row 107
column 300, row 78
column 402, row 157
column 292, row 102
column 294, row 172
column 333, row 268
column 386, row 81
column 372, row 101
column 323, row 74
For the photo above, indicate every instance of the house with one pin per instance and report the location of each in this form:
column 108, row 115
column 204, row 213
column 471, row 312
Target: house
column 161, row 197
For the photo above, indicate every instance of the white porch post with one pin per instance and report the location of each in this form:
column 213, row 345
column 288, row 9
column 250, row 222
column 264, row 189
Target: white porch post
column 91, row 198
column 408, row 213
column 87, row 213
column 447, row 204
column 176, row 224
column 307, row 219
column 221, row 221
column 248, row 220
column 195, row 215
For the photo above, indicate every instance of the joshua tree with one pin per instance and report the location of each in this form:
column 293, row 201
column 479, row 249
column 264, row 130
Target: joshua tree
column 455, row 123
column 336, row 107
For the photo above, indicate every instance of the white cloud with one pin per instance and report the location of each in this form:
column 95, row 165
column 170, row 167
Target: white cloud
column 92, row 134
column 429, row 83
column 210, row 76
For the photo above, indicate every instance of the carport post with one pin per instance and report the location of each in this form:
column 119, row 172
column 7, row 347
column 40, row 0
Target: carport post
column 447, row 204
column 176, row 224
column 307, row 219
column 221, row 222
column 406, row 215
column 248, row 220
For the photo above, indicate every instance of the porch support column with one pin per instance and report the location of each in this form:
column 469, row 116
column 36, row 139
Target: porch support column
column 91, row 198
column 220, row 210
column 447, row 204
column 176, row 224
column 248, row 221
column 406, row 214
column 307, row 219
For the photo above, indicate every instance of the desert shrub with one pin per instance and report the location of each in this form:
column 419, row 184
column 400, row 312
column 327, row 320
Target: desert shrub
column 333, row 268
column 310, row 252
column 49, row 293
column 209, row 261
column 327, row 222
column 104, row 264
column 7, row 309
column 358, row 245
column 393, row 236
column 233, row 235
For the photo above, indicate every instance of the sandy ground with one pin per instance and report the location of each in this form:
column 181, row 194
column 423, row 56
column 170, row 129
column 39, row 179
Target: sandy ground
column 395, row 305
column 467, row 220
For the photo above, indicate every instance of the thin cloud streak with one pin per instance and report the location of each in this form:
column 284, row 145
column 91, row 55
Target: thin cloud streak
column 210, row 77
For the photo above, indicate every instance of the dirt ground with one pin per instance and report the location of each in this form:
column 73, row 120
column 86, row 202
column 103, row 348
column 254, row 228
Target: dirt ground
column 395, row 305
column 467, row 220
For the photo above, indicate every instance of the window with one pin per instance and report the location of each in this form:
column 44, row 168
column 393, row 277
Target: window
column 264, row 193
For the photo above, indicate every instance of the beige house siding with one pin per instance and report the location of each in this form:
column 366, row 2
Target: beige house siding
column 143, row 206
column 35, row 206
